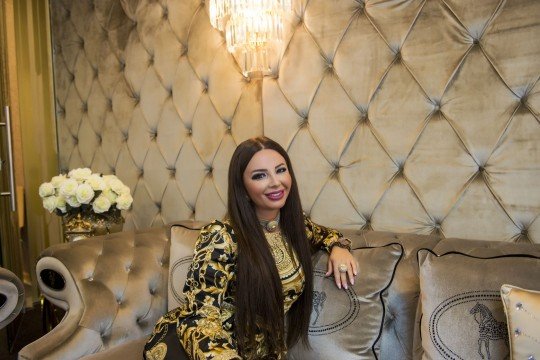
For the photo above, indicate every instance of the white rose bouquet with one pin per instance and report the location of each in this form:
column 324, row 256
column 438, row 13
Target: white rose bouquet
column 84, row 192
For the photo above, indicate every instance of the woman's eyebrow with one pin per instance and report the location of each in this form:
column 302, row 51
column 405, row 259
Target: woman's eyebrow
column 265, row 170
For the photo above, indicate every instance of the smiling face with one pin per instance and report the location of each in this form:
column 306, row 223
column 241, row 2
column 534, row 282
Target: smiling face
column 267, row 181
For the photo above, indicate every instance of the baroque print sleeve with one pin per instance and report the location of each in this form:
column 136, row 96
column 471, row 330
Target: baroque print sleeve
column 205, row 330
column 320, row 236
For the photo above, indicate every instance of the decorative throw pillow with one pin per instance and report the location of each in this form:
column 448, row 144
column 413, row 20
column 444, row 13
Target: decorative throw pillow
column 346, row 324
column 522, row 308
column 462, row 311
column 183, row 238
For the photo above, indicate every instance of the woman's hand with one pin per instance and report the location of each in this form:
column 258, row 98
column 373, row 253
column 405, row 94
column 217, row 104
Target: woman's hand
column 339, row 256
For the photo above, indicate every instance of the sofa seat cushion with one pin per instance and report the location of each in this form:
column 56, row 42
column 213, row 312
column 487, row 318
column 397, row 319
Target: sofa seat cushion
column 346, row 323
column 132, row 350
column 462, row 311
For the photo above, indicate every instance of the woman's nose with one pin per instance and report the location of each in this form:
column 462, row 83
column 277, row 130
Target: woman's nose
column 274, row 181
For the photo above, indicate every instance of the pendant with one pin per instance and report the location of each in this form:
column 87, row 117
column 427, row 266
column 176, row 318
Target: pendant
column 271, row 226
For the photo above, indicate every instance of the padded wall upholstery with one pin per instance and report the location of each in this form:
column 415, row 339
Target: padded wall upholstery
column 411, row 116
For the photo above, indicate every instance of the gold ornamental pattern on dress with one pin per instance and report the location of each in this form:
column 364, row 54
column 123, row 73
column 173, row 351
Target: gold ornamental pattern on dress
column 204, row 324
column 289, row 269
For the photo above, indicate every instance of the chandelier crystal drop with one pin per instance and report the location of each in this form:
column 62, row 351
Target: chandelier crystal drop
column 253, row 30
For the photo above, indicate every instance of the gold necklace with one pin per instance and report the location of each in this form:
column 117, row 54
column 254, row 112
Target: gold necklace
column 270, row 225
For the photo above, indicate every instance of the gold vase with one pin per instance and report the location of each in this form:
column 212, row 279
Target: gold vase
column 79, row 225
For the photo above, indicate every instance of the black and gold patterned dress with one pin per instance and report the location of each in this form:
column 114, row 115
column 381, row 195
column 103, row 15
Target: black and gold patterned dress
column 203, row 326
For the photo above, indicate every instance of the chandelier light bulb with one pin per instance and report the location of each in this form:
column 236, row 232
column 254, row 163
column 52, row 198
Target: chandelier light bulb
column 253, row 29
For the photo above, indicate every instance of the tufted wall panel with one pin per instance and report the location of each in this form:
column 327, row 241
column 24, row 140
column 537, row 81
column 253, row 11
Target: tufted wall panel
column 414, row 116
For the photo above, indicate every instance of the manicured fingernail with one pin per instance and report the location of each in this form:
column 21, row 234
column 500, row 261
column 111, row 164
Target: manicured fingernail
column 339, row 286
column 345, row 286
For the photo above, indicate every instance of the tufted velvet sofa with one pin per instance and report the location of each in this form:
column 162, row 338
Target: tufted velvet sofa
column 114, row 288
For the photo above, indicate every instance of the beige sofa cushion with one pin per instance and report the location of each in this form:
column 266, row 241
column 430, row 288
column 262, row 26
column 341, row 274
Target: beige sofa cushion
column 346, row 324
column 183, row 238
column 522, row 308
column 462, row 312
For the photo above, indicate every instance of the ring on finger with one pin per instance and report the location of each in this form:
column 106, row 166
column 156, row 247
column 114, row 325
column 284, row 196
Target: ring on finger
column 342, row 268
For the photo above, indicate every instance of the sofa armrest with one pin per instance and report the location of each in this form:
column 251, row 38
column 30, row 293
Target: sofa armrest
column 113, row 288
column 11, row 296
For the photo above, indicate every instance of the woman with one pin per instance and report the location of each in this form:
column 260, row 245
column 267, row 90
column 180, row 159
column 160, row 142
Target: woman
column 253, row 268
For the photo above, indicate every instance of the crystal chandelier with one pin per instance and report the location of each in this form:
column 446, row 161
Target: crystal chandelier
column 253, row 30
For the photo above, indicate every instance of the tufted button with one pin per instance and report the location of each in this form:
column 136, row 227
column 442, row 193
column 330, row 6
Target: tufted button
column 362, row 117
column 136, row 98
column 367, row 224
column 122, row 65
column 229, row 127
column 99, row 139
column 398, row 56
column 90, row 278
column 128, row 268
column 158, row 205
column 125, row 137
column 151, row 60
column 523, row 99
column 152, row 291
column 141, row 173
column 481, row 169
column 165, row 13
column 190, row 131
column 476, row 41
column 84, row 107
column 75, row 140
column 119, row 301
column 96, row 73
column 172, row 172
column 81, row 43
column 524, row 232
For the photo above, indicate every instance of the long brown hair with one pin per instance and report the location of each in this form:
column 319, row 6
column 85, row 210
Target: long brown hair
column 259, row 294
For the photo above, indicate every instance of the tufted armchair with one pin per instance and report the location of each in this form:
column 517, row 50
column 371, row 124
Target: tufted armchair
column 11, row 296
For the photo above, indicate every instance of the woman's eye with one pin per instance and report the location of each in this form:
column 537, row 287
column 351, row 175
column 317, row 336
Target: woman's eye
column 281, row 170
column 258, row 176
